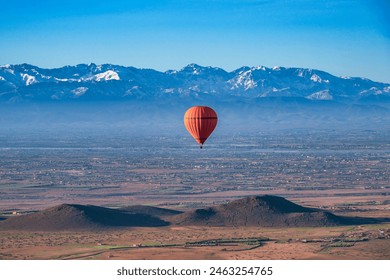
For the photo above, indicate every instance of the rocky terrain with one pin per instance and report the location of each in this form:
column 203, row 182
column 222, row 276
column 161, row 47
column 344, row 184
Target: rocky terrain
column 254, row 211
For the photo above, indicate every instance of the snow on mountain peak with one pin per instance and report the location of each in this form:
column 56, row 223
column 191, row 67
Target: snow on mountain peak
column 279, row 89
column 243, row 80
column 171, row 72
column 77, row 81
column 79, row 91
column 260, row 68
column 63, row 79
column 320, row 95
column 28, row 79
column 195, row 69
column 315, row 78
column 300, row 73
column 106, row 76
column 372, row 90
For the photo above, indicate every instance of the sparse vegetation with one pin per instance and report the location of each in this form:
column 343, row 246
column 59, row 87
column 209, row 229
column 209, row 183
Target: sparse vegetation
column 345, row 174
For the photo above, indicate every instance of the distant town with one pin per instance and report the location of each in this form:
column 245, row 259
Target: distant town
column 173, row 171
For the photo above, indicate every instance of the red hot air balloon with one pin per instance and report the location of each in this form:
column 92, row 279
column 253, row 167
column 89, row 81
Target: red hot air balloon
column 200, row 122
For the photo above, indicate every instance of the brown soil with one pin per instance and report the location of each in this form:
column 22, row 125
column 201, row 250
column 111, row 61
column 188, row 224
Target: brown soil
column 342, row 242
column 274, row 228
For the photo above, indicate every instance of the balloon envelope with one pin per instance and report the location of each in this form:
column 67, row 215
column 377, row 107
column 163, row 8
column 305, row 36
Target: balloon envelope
column 200, row 122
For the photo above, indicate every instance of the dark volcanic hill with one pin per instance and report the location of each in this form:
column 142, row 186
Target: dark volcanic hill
column 150, row 210
column 261, row 211
column 79, row 217
column 264, row 211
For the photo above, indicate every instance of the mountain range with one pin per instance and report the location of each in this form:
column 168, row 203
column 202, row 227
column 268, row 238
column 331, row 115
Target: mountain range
column 27, row 82
column 249, row 97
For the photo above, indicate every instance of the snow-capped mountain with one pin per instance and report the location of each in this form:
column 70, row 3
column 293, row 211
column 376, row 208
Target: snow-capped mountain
column 101, row 96
column 21, row 83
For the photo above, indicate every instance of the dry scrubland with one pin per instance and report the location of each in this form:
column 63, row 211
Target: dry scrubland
column 353, row 242
column 263, row 227
column 343, row 173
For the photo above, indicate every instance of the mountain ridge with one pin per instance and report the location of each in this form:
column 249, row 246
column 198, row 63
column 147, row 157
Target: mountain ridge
column 29, row 82
column 110, row 96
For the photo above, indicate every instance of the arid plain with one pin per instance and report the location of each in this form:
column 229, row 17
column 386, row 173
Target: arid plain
column 343, row 173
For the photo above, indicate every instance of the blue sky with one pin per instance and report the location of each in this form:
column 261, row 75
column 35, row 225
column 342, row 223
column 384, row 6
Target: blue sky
column 343, row 37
